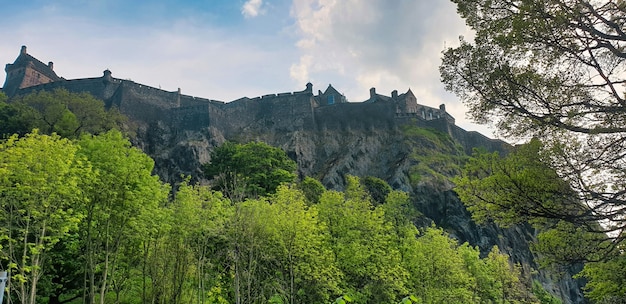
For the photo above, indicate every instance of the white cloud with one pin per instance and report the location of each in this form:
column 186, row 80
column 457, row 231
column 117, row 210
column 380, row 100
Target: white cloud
column 252, row 8
column 390, row 45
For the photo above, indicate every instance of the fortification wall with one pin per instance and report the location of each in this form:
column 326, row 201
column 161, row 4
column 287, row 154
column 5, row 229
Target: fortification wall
column 357, row 116
column 94, row 86
column 150, row 95
column 144, row 104
column 279, row 112
column 472, row 139
column 191, row 117
column 283, row 112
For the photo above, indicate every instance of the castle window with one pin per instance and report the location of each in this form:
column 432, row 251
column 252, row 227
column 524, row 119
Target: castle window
column 331, row 99
column 430, row 115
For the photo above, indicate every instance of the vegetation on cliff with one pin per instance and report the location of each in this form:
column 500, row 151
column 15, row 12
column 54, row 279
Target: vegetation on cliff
column 59, row 111
column 86, row 221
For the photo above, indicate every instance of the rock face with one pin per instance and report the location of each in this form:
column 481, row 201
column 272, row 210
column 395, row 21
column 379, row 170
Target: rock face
column 415, row 148
column 409, row 157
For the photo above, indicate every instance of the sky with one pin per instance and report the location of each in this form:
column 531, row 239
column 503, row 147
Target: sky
column 228, row 49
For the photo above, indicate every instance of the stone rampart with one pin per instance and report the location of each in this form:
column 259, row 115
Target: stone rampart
column 350, row 116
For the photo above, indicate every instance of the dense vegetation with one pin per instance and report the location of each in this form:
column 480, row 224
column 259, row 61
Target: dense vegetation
column 553, row 71
column 85, row 221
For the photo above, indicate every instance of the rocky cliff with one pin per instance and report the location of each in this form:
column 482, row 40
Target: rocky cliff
column 405, row 153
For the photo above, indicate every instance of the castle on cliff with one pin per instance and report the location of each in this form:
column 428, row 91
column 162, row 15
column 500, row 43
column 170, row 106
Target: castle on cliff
column 300, row 110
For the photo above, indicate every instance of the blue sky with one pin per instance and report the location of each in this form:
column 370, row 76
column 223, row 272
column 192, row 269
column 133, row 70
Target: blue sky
column 226, row 49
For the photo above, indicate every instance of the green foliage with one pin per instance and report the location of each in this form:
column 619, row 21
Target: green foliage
column 522, row 188
column 67, row 114
column 363, row 243
column 41, row 197
column 312, row 189
column 542, row 295
column 607, row 279
column 410, row 300
column 377, row 188
column 10, row 119
column 438, row 157
column 249, row 170
column 343, row 299
column 516, row 188
column 123, row 205
column 553, row 71
column 113, row 235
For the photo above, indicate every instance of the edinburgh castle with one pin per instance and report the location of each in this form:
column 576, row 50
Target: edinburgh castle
column 291, row 111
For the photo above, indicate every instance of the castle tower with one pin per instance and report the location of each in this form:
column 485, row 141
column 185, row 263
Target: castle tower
column 27, row 71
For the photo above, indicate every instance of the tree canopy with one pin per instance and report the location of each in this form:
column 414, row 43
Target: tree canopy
column 249, row 170
column 60, row 111
column 554, row 71
column 86, row 221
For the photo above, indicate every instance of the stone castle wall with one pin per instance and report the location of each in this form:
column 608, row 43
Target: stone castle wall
column 283, row 112
column 349, row 116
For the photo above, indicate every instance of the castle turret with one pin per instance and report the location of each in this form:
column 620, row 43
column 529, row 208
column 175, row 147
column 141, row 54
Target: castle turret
column 372, row 93
column 106, row 76
column 26, row 72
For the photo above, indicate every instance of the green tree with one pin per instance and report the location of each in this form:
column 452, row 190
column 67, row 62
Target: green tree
column 67, row 114
column 308, row 270
column 40, row 196
column 517, row 188
column 249, row 170
column 436, row 269
column 364, row 244
column 252, row 267
column 11, row 121
column 312, row 189
column 377, row 189
column 607, row 280
column 553, row 70
column 521, row 187
column 123, row 207
column 188, row 250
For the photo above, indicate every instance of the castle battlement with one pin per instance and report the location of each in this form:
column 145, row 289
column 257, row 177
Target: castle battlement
column 287, row 110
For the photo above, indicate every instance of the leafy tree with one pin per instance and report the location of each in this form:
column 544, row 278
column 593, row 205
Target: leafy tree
column 377, row 189
column 11, row 121
column 309, row 273
column 364, row 244
column 553, row 70
column 249, row 238
column 521, row 187
column 40, row 179
column 62, row 279
column 249, row 170
column 312, row 189
column 607, row 279
column 436, row 269
column 190, row 247
column 208, row 242
column 516, row 188
column 122, row 209
column 67, row 114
